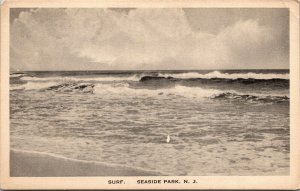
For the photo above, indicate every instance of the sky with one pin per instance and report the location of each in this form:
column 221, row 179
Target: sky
column 149, row 39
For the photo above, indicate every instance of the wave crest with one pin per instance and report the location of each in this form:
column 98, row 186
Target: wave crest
column 189, row 92
column 252, row 98
column 72, row 87
column 32, row 86
column 159, row 81
column 82, row 79
column 125, row 89
column 217, row 74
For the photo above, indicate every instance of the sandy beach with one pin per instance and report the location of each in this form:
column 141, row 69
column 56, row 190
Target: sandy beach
column 27, row 164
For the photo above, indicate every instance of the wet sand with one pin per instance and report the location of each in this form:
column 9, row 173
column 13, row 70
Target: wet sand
column 26, row 164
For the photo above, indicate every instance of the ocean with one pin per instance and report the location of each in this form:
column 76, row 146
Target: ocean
column 225, row 122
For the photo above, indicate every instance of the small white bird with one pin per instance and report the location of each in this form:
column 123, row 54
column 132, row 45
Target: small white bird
column 168, row 138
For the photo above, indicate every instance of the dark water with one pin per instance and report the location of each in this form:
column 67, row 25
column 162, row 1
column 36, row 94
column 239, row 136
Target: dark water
column 219, row 122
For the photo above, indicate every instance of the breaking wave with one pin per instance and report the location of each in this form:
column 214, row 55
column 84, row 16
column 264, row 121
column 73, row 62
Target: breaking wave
column 72, row 87
column 32, row 86
column 190, row 92
column 17, row 75
column 217, row 74
column 82, row 79
column 137, row 77
column 182, row 91
column 259, row 83
column 214, row 85
column 252, row 98
column 115, row 89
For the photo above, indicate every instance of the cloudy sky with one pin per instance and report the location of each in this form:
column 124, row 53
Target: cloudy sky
column 139, row 39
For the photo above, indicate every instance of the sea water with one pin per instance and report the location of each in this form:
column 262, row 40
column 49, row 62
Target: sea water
column 218, row 122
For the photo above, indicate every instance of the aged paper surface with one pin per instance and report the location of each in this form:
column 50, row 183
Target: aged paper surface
column 150, row 94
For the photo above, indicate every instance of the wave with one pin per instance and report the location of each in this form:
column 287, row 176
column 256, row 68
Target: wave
column 115, row 89
column 56, row 87
column 217, row 74
column 125, row 89
column 82, row 78
column 32, row 86
column 136, row 77
column 252, row 98
column 72, row 87
column 17, row 75
column 182, row 91
column 189, row 92
column 258, row 84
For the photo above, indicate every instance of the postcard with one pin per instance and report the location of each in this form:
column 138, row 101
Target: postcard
column 150, row 94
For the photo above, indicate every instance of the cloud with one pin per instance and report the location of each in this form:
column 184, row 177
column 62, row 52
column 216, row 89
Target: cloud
column 247, row 43
column 77, row 39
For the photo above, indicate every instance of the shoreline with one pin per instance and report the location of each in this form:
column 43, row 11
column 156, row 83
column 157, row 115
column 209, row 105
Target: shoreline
column 35, row 164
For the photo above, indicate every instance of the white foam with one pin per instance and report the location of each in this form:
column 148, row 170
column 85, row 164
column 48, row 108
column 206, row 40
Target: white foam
column 16, row 87
column 125, row 90
column 33, row 86
column 16, row 75
column 179, row 90
column 217, row 74
column 83, row 79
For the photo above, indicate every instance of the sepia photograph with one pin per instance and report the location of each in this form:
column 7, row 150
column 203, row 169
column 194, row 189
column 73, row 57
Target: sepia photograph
column 154, row 92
